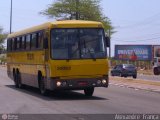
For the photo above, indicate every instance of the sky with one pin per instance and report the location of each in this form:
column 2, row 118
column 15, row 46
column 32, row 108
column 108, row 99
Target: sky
column 134, row 21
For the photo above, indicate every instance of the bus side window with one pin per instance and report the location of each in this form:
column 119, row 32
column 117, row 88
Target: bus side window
column 12, row 47
column 34, row 41
column 28, row 38
column 18, row 43
column 40, row 40
column 23, row 42
column 14, row 44
column 20, row 46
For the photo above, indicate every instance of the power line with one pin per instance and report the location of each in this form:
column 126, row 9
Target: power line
column 138, row 37
column 141, row 23
column 139, row 40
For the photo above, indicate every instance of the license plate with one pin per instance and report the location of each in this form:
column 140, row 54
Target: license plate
column 82, row 83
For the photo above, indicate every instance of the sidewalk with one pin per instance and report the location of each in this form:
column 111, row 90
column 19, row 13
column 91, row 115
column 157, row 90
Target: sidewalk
column 136, row 83
column 3, row 67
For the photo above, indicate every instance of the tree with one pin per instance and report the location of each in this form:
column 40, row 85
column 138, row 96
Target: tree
column 2, row 39
column 78, row 9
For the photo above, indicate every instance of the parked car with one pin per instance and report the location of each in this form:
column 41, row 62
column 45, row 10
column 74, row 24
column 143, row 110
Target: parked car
column 124, row 70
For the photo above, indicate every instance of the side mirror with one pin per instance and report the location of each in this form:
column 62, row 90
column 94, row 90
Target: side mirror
column 107, row 39
column 45, row 43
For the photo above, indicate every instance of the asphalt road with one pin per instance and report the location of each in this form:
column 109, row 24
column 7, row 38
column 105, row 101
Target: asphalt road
column 112, row 100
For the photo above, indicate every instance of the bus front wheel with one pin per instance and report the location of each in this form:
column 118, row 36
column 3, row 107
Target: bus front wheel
column 89, row 91
column 42, row 86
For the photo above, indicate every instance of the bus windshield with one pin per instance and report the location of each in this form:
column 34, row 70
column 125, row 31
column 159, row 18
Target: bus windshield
column 78, row 43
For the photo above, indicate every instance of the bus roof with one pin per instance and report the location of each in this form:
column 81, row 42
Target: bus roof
column 58, row 24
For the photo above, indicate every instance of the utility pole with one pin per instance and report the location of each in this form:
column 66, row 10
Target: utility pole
column 11, row 18
column 109, row 35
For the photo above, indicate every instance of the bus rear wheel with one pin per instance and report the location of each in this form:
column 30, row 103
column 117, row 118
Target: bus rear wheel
column 19, row 82
column 89, row 91
column 15, row 80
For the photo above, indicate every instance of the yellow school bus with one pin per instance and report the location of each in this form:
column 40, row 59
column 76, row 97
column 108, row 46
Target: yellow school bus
column 60, row 55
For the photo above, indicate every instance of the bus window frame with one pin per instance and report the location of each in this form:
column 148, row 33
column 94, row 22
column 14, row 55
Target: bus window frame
column 20, row 43
column 31, row 41
column 14, row 41
column 24, row 48
column 40, row 47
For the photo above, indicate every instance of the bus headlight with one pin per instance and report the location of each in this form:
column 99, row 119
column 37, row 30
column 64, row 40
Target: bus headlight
column 59, row 84
column 104, row 81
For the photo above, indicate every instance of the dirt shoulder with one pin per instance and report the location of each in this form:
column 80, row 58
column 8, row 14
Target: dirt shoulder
column 136, row 83
column 145, row 72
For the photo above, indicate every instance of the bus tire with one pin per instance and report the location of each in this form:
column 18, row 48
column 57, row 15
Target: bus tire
column 15, row 79
column 89, row 91
column 42, row 86
column 20, row 85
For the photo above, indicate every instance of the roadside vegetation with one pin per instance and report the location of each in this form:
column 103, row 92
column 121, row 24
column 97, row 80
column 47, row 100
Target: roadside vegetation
column 2, row 47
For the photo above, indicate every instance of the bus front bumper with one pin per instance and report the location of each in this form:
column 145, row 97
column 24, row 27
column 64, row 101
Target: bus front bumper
column 78, row 84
